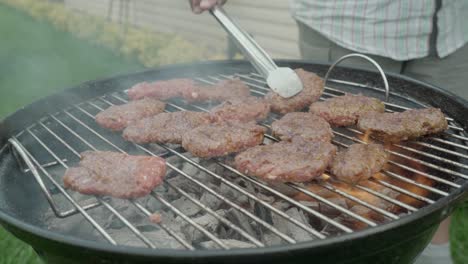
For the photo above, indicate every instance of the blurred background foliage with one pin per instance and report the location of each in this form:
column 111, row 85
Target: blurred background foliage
column 150, row 48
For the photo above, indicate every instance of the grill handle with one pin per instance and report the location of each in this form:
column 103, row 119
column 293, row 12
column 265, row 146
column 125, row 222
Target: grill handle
column 256, row 55
column 367, row 58
column 22, row 152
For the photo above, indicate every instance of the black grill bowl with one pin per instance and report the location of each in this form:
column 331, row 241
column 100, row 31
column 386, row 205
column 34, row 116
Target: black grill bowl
column 22, row 203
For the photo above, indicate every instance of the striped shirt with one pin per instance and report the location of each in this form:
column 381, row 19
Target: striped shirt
column 397, row 29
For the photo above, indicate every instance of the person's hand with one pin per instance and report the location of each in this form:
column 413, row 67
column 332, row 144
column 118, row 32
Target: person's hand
column 198, row 6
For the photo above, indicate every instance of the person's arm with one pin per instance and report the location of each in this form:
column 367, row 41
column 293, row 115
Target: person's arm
column 198, row 6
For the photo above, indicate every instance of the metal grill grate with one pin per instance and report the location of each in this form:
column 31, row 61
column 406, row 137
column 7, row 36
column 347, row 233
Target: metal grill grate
column 54, row 143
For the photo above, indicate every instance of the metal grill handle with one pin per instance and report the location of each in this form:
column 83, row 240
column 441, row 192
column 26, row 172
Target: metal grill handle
column 18, row 148
column 258, row 56
column 369, row 59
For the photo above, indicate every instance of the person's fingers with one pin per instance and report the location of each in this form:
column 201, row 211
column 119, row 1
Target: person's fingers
column 195, row 5
column 208, row 4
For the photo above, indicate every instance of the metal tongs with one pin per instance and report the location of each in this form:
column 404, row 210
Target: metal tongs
column 282, row 80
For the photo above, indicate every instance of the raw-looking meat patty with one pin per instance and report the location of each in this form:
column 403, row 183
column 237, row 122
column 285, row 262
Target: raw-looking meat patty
column 410, row 124
column 118, row 117
column 189, row 90
column 305, row 125
column 220, row 139
column 242, row 110
column 297, row 161
column 313, row 88
column 345, row 110
column 161, row 89
column 359, row 162
column 115, row 174
column 165, row 127
column 221, row 91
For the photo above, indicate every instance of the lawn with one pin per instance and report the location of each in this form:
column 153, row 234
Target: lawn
column 36, row 60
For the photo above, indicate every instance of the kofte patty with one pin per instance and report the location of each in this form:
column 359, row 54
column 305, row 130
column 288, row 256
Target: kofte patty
column 313, row 88
column 305, row 125
column 345, row 110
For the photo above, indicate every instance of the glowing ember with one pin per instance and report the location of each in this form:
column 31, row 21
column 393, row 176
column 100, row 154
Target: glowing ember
column 398, row 167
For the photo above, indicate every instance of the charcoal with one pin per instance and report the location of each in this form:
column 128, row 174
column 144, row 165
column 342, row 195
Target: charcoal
column 266, row 198
column 158, row 150
column 330, row 211
column 210, row 200
column 281, row 205
column 175, row 161
column 312, row 205
column 213, row 167
column 290, row 228
column 331, row 230
column 150, row 203
column 207, row 221
column 232, row 194
column 240, row 219
column 185, row 184
column 271, row 239
column 126, row 209
column 186, row 206
column 232, row 243
column 283, row 188
column 190, row 169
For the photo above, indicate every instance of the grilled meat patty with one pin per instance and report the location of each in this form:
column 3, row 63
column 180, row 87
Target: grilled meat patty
column 313, row 88
column 220, row 139
column 242, row 110
column 115, row 174
column 410, row 124
column 359, row 162
column 305, row 125
column 345, row 110
column 297, row 161
column 165, row 127
column 162, row 89
column 189, row 90
column 118, row 117
column 221, row 91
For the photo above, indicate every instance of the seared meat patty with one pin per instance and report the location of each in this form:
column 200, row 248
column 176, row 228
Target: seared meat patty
column 359, row 162
column 305, row 125
column 221, row 91
column 297, row 161
column 165, row 127
column 242, row 110
column 345, row 110
column 115, row 174
column 189, row 90
column 162, row 89
column 410, row 124
column 118, row 117
column 313, row 88
column 221, row 139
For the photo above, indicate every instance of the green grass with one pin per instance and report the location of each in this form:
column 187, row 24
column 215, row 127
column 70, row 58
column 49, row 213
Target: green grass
column 37, row 60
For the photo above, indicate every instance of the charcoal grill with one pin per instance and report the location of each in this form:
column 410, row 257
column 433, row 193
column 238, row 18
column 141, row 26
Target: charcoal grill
column 42, row 139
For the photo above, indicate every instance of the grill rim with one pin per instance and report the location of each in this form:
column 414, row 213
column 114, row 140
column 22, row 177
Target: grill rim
column 8, row 128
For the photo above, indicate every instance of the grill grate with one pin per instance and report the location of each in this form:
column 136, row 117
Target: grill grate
column 435, row 160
